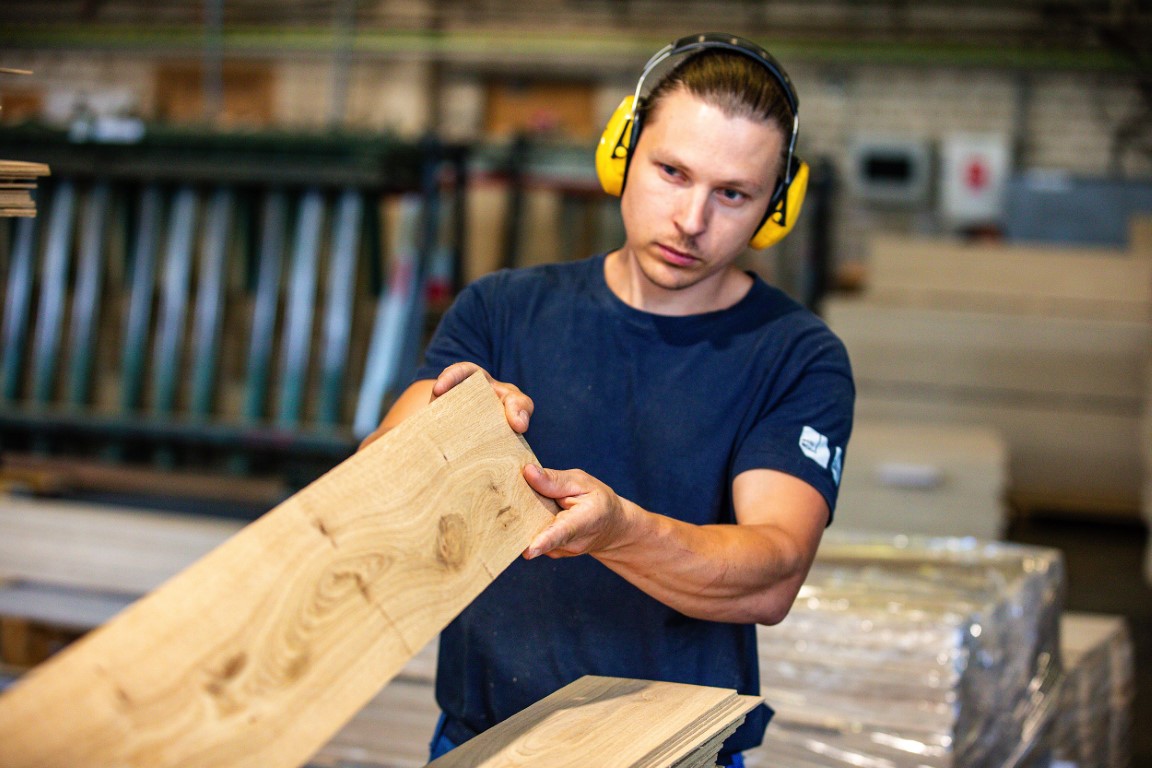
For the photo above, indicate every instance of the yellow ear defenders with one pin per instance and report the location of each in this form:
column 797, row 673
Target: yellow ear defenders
column 614, row 152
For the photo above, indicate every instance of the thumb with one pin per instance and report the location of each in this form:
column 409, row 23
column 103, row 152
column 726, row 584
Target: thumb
column 553, row 483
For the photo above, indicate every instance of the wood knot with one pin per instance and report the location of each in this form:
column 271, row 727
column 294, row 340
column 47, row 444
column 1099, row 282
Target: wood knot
column 452, row 541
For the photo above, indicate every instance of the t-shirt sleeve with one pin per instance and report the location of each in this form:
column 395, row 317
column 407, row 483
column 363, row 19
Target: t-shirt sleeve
column 464, row 333
column 803, row 427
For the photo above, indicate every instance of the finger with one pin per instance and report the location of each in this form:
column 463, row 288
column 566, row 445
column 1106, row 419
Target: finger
column 453, row 375
column 518, row 408
column 554, row 483
column 549, row 541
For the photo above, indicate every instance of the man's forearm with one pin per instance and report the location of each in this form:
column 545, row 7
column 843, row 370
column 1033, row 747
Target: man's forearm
column 732, row 573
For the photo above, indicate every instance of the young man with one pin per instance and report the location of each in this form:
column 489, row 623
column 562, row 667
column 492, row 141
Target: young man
column 690, row 420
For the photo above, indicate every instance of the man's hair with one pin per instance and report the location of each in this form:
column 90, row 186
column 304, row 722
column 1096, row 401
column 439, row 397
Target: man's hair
column 731, row 82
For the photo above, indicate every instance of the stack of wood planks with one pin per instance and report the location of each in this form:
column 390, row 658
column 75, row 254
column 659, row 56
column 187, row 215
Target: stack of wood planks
column 1094, row 722
column 17, row 182
column 261, row 650
column 927, row 479
column 915, row 652
column 611, row 722
column 1048, row 346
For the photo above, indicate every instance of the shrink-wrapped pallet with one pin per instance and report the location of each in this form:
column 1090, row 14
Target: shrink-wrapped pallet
column 1094, row 720
column 930, row 652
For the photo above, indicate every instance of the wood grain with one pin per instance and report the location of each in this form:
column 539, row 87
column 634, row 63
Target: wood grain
column 261, row 650
column 622, row 722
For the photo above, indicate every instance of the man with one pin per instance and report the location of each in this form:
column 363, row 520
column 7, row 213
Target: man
column 690, row 420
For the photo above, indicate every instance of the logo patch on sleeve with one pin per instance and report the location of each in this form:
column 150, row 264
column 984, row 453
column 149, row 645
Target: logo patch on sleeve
column 815, row 446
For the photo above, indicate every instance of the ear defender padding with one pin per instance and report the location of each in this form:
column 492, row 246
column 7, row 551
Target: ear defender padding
column 614, row 147
column 786, row 211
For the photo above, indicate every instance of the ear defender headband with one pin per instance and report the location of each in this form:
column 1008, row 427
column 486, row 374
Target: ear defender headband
column 614, row 152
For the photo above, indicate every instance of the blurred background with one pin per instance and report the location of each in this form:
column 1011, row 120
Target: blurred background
column 254, row 212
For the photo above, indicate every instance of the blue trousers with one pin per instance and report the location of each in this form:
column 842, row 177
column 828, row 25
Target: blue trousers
column 441, row 746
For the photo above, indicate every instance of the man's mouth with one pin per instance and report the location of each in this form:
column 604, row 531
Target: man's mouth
column 676, row 256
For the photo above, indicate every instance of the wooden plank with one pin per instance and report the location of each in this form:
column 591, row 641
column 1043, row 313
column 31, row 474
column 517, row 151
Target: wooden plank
column 338, row 304
column 299, row 310
column 51, row 315
column 1097, row 363
column 928, row 479
column 65, row 475
column 260, row 651
column 621, row 722
column 1058, row 458
column 87, row 296
column 17, row 309
column 272, row 237
column 1070, row 282
column 210, row 301
column 101, row 548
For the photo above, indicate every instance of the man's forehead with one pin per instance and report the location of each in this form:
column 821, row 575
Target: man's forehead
column 689, row 128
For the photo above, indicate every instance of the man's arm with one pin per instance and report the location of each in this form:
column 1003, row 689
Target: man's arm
column 749, row 572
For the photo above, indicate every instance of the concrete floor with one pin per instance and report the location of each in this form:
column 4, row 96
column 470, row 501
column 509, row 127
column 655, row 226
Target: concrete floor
column 1104, row 562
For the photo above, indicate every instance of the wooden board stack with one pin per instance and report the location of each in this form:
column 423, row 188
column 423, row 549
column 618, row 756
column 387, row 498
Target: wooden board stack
column 1094, row 721
column 623, row 723
column 927, row 479
column 913, row 652
column 265, row 647
column 1047, row 346
column 17, row 182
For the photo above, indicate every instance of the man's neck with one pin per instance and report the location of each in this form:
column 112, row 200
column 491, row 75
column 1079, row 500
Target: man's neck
column 629, row 283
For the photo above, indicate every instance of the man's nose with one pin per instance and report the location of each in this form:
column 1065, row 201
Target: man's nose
column 692, row 212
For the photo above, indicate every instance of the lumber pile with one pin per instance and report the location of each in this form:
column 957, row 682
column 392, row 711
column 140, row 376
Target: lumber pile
column 925, row 652
column 1094, row 722
column 1047, row 346
column 266, row 646
column 621, row 722
column 17, row 182
column 927, row 479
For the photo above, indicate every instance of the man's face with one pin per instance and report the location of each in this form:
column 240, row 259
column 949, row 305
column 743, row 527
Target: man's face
column 698, row 185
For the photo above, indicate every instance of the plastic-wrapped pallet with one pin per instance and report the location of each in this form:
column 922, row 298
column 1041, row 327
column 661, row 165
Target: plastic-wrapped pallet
column 1146, row 442
column 1094, row 721
column 931, row 652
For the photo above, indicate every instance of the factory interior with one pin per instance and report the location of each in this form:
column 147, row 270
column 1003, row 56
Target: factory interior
column 229, row 230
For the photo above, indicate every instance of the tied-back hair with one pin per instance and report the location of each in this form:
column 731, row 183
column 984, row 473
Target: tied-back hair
column 731, row 82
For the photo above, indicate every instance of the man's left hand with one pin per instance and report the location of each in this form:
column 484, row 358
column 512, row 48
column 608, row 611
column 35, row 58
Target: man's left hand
column 592, row 517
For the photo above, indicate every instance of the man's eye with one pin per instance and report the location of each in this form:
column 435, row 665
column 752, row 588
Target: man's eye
column 732, row 195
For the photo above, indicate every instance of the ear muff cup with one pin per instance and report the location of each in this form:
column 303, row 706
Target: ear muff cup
column 614, row 147
column 785, row 212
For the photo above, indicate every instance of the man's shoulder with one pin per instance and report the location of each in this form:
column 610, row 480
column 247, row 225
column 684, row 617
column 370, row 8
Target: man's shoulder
column 542, row 281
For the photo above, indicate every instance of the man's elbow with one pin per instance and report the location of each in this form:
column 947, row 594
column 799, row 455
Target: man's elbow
column 775, row 603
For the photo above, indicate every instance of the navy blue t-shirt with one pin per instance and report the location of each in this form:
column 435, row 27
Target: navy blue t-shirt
column 667, row 411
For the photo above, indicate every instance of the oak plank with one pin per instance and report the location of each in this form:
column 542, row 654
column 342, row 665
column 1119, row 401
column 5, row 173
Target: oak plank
column 261, row 650
column 622, row 722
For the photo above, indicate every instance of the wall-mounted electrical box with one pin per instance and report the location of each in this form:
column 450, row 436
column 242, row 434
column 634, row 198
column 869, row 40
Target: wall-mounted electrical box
column 889, row 170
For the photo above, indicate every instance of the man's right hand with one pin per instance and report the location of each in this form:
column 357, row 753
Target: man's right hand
column 517, row 405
